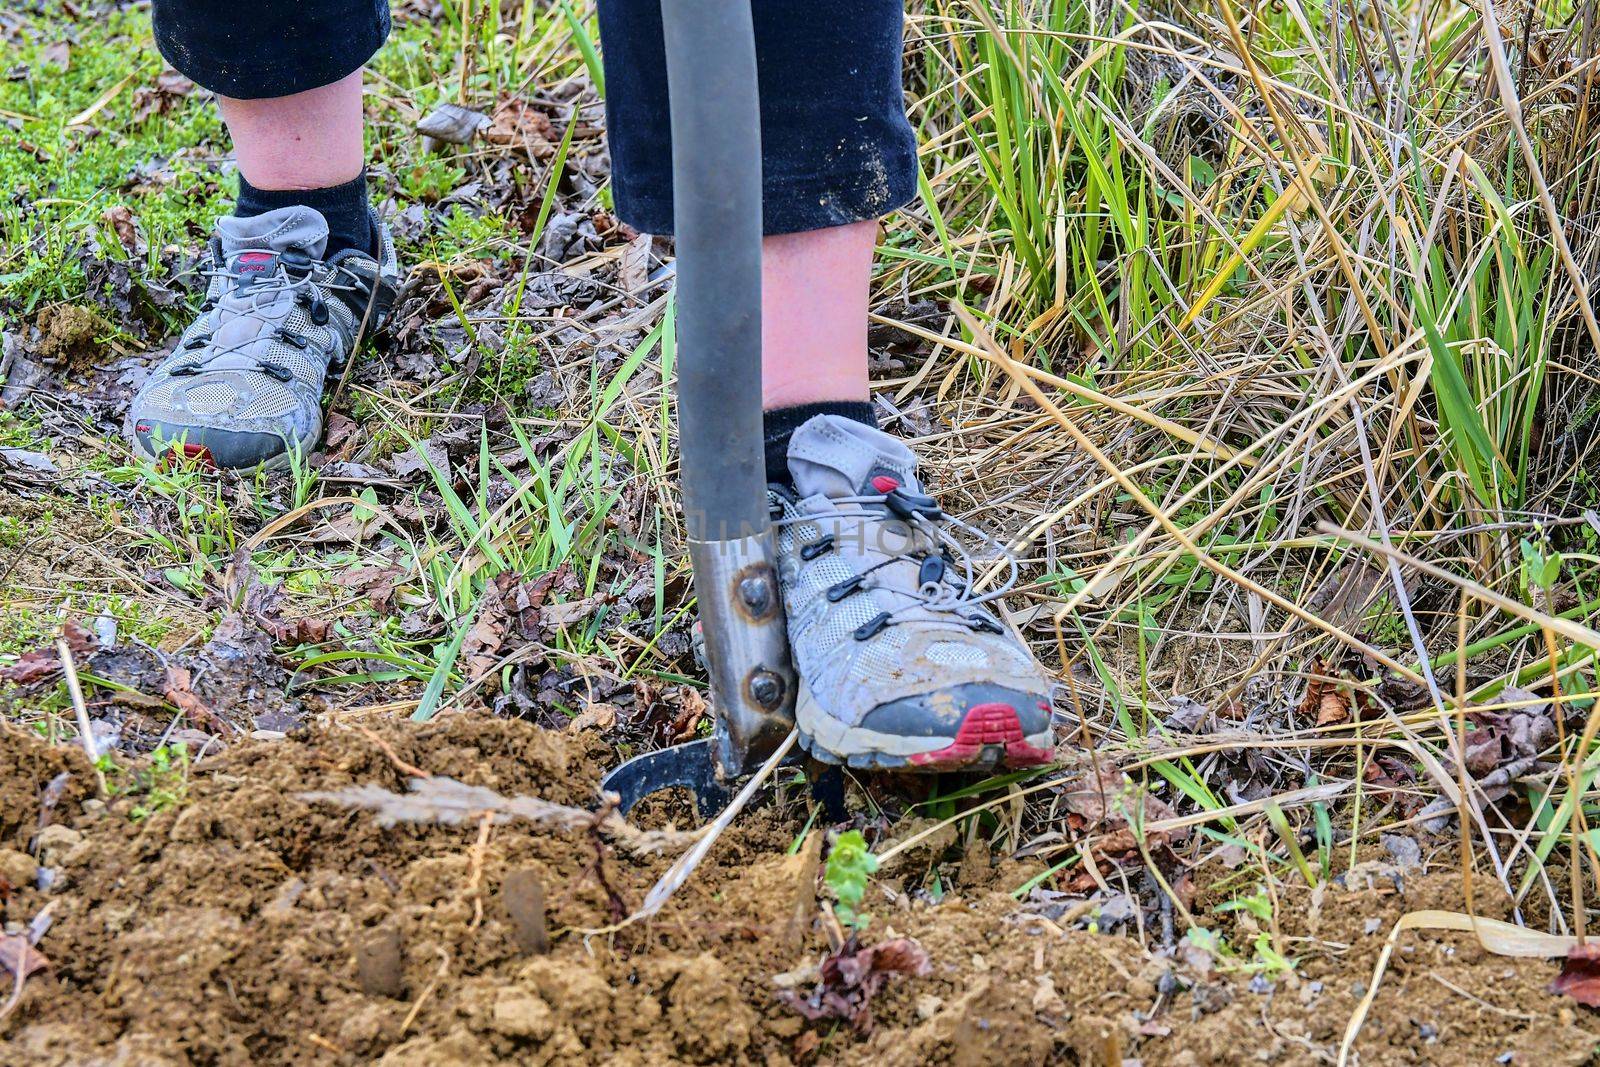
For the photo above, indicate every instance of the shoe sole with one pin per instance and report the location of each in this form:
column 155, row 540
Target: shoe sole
column 989, row 738
column 203, row 455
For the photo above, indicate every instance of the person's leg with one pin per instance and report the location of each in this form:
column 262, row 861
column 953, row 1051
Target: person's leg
column 305, row 150
column 287, row 77
column 900, row 665
column 814, row 289
column 837, row 154
column 301, row 267
column 310, row 140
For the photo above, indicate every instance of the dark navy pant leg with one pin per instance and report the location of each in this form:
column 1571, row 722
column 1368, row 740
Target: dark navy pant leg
column 836, row 146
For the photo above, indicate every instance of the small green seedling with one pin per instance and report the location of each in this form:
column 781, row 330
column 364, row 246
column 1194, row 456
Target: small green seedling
column 850, row 865
column 164, row 784
column 1540, row 570
column 1266, row 961
column 1258, row 904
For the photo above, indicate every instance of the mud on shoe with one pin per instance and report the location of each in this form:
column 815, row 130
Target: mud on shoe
column 243, row 387
column 901, row 665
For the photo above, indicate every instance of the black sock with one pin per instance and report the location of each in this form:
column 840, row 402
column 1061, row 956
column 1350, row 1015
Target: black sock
column 779, row 424
column 344, row 206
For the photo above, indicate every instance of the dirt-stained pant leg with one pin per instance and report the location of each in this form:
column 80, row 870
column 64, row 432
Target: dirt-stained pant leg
column 259, row 49
column 836, row 146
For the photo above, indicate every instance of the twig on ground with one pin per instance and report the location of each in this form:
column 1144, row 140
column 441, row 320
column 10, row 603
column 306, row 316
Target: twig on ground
column 427, row 991
column 80, row 707
column 475, row 876
column 388, row 750
column 439, row 799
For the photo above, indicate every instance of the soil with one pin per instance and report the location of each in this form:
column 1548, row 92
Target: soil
column 68, row 331
column 248, row 925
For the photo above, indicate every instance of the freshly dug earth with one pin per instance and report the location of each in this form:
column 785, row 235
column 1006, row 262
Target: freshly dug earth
column 248, row 925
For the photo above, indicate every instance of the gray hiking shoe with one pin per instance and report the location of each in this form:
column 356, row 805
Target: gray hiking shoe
column 900, row 665
column 244, row 385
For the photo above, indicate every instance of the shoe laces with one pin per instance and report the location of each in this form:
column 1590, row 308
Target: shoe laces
column 243, row 300
column 934, row 536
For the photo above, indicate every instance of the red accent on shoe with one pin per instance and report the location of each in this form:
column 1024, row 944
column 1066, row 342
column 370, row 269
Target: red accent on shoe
column 253, row 262
column 986, row 724
column 885, row 484
column 141, row 427
column 200, row 454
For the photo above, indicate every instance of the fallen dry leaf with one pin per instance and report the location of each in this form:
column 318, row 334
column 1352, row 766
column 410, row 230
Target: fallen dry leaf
column 633, row 269
column 1333, row 708
column 452, row 124
column 151, row 101
column 57, row 54
column 1580, row 975
column 28, row 464
column 691, row 710
column 350, row 527
column 1323, row 698
column 597, row 716
column 340, row 429
column 301, row 630
column 1498, row 738
column 556, row 616
column 1098, row 807
column 480, row 649
column 179, row 694
column 32, row 666
column 1333, row 695
column 19, row 957
column 524, row 598
column 377, row 583
column 519, row 124
column 851, row 977
column 42, row 663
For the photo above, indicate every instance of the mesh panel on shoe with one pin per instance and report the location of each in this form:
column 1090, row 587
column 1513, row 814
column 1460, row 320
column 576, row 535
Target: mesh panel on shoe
column 182, row 356
column 839, row 625
column 813, row 581
column 211, row 398
column 160, row 394
column 818, row 629
column 297, row 322
column 296, row 361
column 324, row 338
column 810, row 587
column 880, row 655
column 270, row 402
column 340, row 315
column 956, row 654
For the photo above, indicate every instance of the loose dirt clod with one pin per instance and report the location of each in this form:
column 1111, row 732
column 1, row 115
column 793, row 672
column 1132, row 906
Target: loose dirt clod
column 67, row 333
column 523, row 896
column 380, row 963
